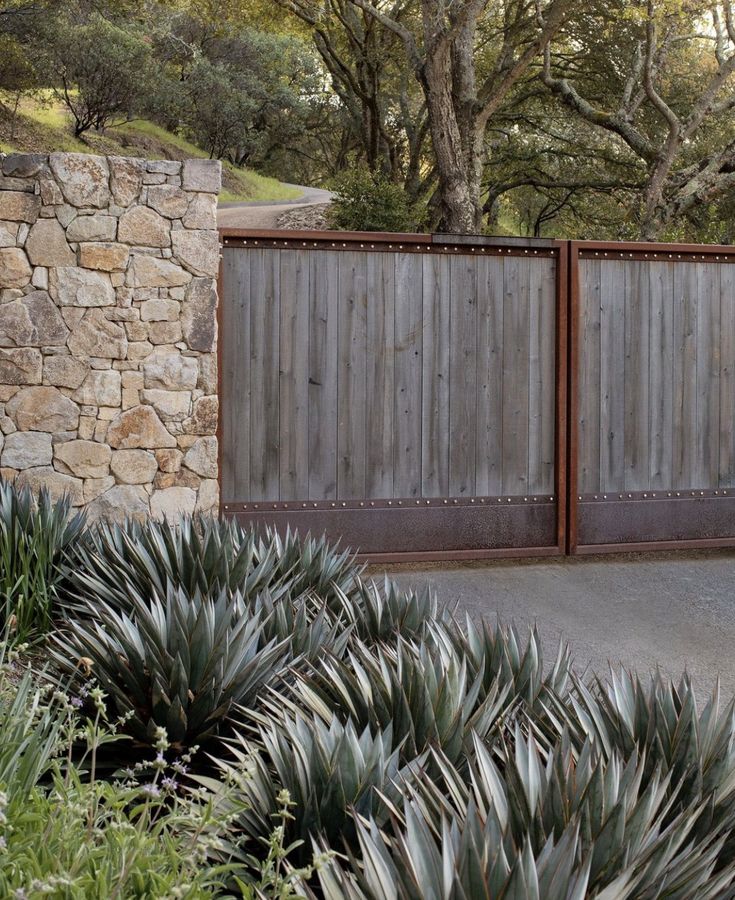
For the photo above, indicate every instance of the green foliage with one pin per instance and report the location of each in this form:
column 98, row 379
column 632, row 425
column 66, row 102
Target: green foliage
column 121, row 563
column 101, row 70
column 35, row 536
column 365, row 201
column 176, row 662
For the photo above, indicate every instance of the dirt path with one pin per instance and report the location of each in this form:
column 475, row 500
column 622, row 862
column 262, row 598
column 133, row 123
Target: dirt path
column 265, row 213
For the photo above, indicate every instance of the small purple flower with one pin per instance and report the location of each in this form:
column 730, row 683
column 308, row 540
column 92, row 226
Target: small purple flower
column 180, row 768
column 151, row 790
column 169, row 784
column 77, row 701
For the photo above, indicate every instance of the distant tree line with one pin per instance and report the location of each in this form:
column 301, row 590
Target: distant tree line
column 582, row 118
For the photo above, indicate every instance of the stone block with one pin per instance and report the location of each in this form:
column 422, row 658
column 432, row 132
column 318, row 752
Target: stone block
column 21, row 365
column 18, row 206
column 85, row 459
column 144, row 227
column 84, row 180
column 15, row 272
column 100, row 388
column 134, row 466
column 46, row 245
column 170, row 371
column 203, row 175
column 126, row 179
column 201, row 457
column 173, row 503
column 25, row 449
column 139, row 428
column 98, row 227
column 168, row 200
column 75, row 286
column 64, row 371
column 104, row 256
column 119, row 503
column 43, row 409
column 197, row 251
column 32, row 321
column 97, row 336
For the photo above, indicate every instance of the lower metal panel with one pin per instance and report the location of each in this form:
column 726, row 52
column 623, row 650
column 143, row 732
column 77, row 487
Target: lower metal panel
column 699, row 516
column 511, row 526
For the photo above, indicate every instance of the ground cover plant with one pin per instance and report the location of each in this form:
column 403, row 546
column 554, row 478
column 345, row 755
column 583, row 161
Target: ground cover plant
column 221, row 713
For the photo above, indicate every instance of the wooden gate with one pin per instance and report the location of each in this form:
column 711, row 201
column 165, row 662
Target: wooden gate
column 652, row 394
column 405, row 393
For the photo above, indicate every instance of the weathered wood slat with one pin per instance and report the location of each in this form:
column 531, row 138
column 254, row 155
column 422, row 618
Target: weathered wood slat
column 516, row 355
column 408, row 374
column 612, row 376
column 661, row 374
column 323, row 428
column 435, row 376
column 463, row 376
column 490, row 393
column 684, row 426
column 589, row 376
column 351, row 376
column 265, row 297
column 380, row 374
column 708, row 375
column 235, row 378
column 294, row 375
column 726, row 476
column 541, row 411
column 636, row 377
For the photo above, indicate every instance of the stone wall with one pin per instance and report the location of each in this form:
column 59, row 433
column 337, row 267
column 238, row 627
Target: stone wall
column 108, row 364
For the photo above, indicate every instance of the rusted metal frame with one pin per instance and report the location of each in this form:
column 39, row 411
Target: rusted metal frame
column 656, row 252
column 656, row 546
column 645, row 252
column 220, row 405
column 458, row 555
column 573, row 313
column 426, row 243
column 382, row 243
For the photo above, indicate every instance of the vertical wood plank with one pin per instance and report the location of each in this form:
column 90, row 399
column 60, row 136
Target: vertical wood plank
column 661, row 373
column 541, row 412
column 463, row 376
column 351, row 461
column 264, row 366
column 612, row 375
column 380, row 381
column 490, row 297
column 636, row 377
column 235, row 376
column 435, row 376
column 727, row 377
column 516, row 315
column 408, row 375
column 294, row 375
column 708, row 375
column 323, row 421
column 589, row 376
column 684, row 426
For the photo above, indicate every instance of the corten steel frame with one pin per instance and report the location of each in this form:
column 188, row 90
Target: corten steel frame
column 314, row 515
column 696, row 515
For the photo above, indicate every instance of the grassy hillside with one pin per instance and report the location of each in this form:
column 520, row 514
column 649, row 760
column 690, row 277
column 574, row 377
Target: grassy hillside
column 44, row 126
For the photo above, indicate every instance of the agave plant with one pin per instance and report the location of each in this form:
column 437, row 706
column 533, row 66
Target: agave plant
column 117, row 562
column 180, row 662
column 422, row 692
column 331, row 773
column 380, row 612
column 35, row 535
column 554, row 828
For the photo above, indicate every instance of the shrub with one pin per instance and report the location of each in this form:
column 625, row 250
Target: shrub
column 35, row 536
column 121, row 563
column 178, row 663
column 366, row 201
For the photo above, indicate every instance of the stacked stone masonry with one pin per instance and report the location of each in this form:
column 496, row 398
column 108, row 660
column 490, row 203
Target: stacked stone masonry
column 108, row 368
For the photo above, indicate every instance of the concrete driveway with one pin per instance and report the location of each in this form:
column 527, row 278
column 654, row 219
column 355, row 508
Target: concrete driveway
column 675, row 611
